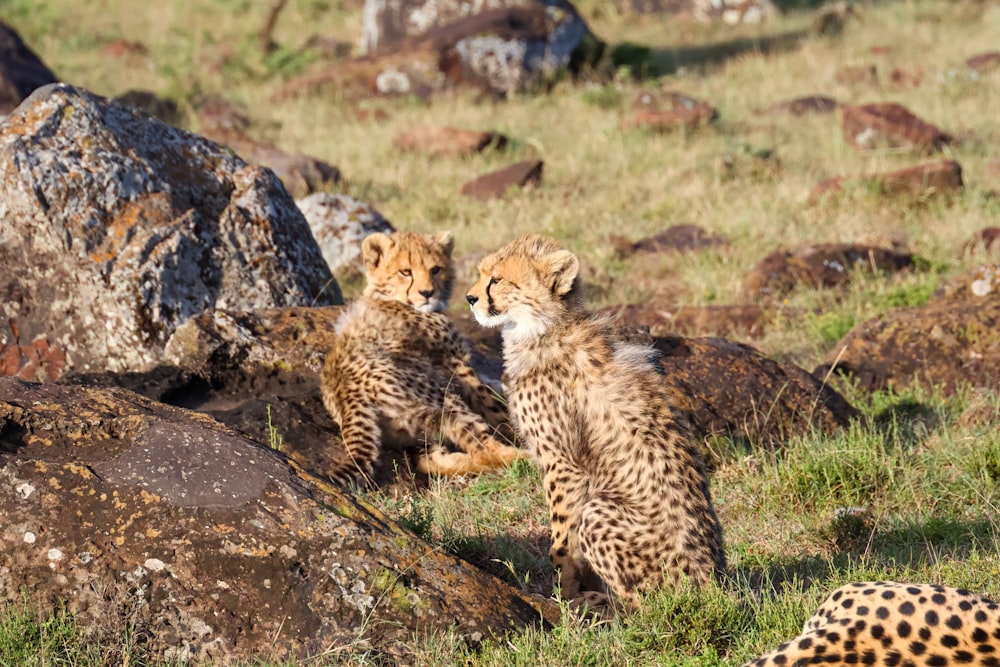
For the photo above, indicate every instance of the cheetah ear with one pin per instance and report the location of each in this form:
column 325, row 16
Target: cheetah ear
column 373, row 248
column 446, row 240
column 564, row 268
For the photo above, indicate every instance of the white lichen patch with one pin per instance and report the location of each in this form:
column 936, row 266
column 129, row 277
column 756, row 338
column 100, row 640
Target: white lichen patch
column 24, row 489
column 154, row 565
column 29, row 537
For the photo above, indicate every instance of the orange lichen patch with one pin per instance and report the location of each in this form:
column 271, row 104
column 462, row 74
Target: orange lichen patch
column 149, row 498
column 223, row 529
column 153, row 533
column 82, row 471
column 152, row 211
column 54, row 483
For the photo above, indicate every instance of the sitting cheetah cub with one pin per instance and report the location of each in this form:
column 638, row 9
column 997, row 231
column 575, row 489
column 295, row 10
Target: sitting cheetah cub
column 398, row 362
column 888, row 624
column 625, row 485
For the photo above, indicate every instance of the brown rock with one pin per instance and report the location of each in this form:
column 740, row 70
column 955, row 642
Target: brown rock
column 679, row 238
column 727, row 388
column 495, row 184
column 827, row 187
column 376, row 115
column 889, row 125
column 219, row 550
column 154, row 105
column 933, row 179
column 154, row 226
column 984, row 62
column 21, row 71
column 857, row 75
column 301, row 174
column 980, row 282
column 819, row 266
column 666, row 111
column 730, row 321
column 122, row 48
column 907, row 78
column 804, row 106
column 951, row 342
column 986, row 239
column 438, row 140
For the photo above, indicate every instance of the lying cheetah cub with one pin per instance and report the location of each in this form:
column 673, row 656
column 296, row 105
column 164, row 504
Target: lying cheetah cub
column 888, row 624
column 625, row 484
column 398, row 362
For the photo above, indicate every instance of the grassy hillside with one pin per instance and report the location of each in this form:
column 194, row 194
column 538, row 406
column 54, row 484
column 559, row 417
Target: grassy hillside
column 913, row 495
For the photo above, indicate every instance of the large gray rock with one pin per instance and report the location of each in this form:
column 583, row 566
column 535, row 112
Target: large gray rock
column 340, row 224
column 217, row 549
column 504, row 45
column 117, row 228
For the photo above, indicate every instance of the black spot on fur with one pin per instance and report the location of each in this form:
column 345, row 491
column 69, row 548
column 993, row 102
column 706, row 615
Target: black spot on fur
column 906, row 609
column 903, row 629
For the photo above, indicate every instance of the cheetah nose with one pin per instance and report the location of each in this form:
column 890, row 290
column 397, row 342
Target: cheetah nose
column 427, row 293
column 471, row 299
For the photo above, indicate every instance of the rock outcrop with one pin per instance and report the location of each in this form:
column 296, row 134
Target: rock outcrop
column 118, row 228
column 727, row 388
column 216, row 548
column 951, row 342
column 819, row 266
column 340, row 223
column 418, row 47
column 883, row 125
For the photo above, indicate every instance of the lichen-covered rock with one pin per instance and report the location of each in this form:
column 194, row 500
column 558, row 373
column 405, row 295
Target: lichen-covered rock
column 727, row 388
column 503, row 45
column 219, row 549
column 887, row 124
column 951, row 342
column 117, row 228
column 820, row 266
column 340, row 223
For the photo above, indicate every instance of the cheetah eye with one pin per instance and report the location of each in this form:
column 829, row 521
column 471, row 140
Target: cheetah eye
column 406, row 273
column 495, row 281
column 436, row 270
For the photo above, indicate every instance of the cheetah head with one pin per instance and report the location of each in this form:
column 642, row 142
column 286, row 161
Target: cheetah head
column 412, row 268
column 525, row 287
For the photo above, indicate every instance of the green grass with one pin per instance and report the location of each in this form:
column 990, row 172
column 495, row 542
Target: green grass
column 911, row 494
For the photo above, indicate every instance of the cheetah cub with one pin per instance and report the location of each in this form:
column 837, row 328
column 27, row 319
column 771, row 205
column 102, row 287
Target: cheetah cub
column 398, row 363
column 887, row 624
column 626, row 488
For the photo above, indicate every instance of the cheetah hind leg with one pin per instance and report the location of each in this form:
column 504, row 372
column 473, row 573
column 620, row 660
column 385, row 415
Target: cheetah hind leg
column 480, row 450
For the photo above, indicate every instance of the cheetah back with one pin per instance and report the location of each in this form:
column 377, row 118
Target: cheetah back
column 890, row 624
